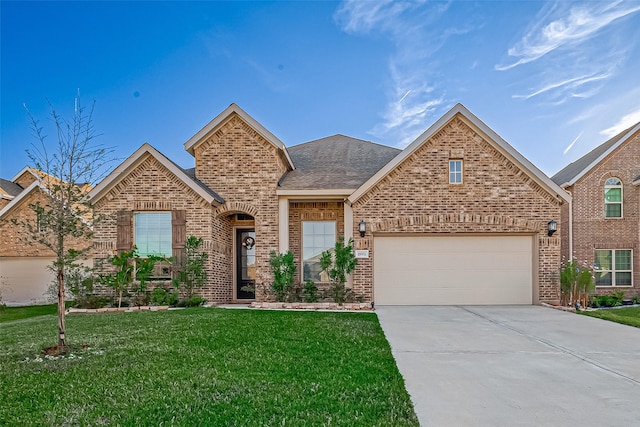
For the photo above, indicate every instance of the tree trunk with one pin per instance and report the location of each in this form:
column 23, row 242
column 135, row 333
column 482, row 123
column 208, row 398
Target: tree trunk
column 61, row 328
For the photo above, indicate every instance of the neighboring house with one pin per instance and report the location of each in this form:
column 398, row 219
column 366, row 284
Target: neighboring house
column 24, row 277
column 457, row 217
column 602, row 225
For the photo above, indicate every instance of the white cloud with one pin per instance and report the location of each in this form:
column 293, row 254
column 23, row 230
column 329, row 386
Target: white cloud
column 413, row 93
column 624, row 123
column 571, row 84
column 559, row 28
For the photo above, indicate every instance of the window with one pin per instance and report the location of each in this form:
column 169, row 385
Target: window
column 317, row 237
column 152, row 233
column 613, row 198
column 455, row 171
column 614, row 267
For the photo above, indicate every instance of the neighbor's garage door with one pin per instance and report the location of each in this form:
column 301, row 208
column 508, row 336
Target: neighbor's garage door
column 463, row 270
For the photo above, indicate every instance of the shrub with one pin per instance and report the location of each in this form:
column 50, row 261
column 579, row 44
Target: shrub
column 284, row 271
column 92, row 301
column 193, row 273
column 193, row 301
column 576, row 282
column 310, row 291
column 339, row 263
column 163, row 296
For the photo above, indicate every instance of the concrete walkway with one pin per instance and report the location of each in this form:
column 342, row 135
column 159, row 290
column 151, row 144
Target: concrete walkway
column 515, row 366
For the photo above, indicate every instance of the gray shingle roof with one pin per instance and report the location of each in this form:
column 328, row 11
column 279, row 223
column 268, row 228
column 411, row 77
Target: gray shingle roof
column 335, row 162
column 572, row 170
column 191, row 173
column 10, row 188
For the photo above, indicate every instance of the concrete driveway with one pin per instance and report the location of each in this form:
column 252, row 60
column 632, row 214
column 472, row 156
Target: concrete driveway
column 515, row 366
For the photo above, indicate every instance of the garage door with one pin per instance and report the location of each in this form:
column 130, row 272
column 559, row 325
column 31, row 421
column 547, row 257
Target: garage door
column 464, row 270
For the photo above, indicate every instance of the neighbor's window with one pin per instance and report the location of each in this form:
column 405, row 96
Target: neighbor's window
column 317, row 237
column 455, row 171
column 614, row 267
column 613, row 198
column 153, row 233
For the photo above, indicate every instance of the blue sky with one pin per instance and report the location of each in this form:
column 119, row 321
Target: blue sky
column 555, row 79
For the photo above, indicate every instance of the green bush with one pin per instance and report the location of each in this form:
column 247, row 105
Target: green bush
column 162, row 296
column 92, row 301
column 310, row 291
column 339, row 263
column 612, row 300
column 193, row 301
column 284, row 271
column 576, row 282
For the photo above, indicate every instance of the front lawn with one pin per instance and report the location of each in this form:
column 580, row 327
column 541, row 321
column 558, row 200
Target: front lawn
column 627, row 316
column 203, row 367
column 14, row 313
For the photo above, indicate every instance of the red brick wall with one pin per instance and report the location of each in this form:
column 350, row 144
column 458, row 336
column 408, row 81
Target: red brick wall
column 495, row 197
column 591, row 230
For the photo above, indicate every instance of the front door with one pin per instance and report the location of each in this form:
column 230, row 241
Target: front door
column 245, row 263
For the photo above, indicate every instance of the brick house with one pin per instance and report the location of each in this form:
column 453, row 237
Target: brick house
column 24, row 276
column 457, row 217
column 602, row 224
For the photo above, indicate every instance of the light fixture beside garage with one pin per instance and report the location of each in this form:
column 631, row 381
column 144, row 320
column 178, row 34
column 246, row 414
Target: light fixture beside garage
column 552, row 227
column 362, row 227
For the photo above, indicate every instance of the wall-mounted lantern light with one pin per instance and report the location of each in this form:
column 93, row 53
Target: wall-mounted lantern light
column 362, row 227
column 552, row 227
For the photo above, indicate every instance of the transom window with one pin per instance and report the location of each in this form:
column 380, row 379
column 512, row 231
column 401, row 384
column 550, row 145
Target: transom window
column 614, row 267
column 613, row 198
column 317, row 237
column 455, row 171
column 153, row 233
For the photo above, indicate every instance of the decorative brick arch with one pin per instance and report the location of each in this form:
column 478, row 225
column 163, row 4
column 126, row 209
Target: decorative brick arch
column 230, row 208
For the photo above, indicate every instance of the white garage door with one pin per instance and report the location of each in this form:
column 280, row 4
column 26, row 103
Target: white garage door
column 460, row 270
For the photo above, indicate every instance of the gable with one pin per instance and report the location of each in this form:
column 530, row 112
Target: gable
column 21, row 201
column 147, row 165
column 574, row 171
column 460, row 134
column 223, row 118
column 235, row 157
column 25, row 177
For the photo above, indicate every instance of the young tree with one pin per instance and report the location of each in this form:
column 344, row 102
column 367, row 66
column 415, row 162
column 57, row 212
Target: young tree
column 70, row 166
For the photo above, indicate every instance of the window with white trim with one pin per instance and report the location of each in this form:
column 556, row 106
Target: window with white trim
column 317, row 237
column 152, row 233
column 455, row 171
column 614, row 267
column 613, row 198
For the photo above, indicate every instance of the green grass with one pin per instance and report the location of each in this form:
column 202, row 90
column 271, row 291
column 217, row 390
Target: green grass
column 204, row 367
column 627, row 316
column 15, row 313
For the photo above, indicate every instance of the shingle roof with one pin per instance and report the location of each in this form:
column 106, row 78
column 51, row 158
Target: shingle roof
column 191, row 173
column 572, row 170
column 9, row 187
column 335, row 162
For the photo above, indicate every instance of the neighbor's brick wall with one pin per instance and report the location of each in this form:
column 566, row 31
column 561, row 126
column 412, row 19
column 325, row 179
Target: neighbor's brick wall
column 16, row 240
column 311, row 211
column 151, row 187
column 244, row 169
column 496, row 197
column 591, row 230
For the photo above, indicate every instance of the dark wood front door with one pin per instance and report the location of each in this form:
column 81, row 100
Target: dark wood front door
column 245, row 262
